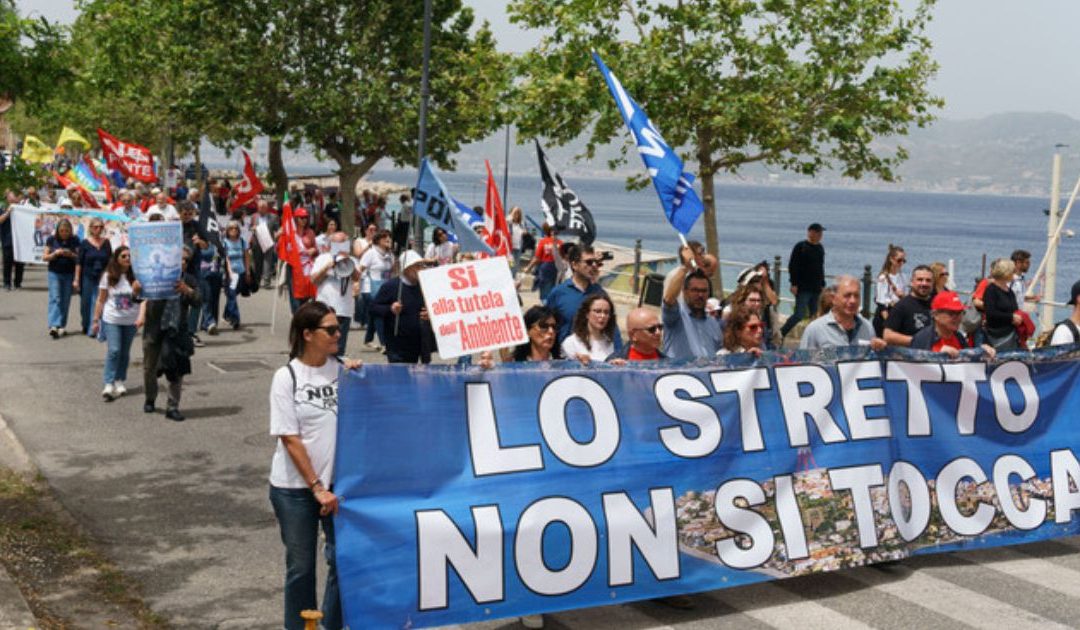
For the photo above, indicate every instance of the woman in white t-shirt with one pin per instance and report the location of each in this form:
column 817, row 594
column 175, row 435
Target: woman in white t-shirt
column 375, row 267
column 441, row 249
column 116, row 313
column 303, row 418
column 592, row 336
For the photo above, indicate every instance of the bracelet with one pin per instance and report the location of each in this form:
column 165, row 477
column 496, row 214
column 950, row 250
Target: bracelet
column 314, row 482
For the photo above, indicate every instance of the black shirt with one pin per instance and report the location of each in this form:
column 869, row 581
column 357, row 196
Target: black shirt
column 411, row 343
column 998, row 306
column 62, row 264
column 909, row 315
column 807, row 266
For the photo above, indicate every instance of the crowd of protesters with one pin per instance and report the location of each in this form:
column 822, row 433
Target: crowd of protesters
column 369, row 281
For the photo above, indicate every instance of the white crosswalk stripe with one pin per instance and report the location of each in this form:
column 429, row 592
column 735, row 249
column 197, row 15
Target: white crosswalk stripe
column 1021, row 566
column 948, row 599
column 780, row 608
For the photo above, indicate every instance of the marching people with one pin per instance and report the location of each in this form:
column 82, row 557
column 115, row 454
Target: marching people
column 541, row 324
column 690, row 332
column 62, row 253
column 211, row 279
column 806, row 267
column 302, row 469
column 441, row 249
column 336, row 278
column 944, row 335
column 12, row 269
column 167, row 341
column 237, row 272
column 566, row 298
column 1000, row 316
column 543, row 261
column 911, row 313
column 375, row 267
column 743, row 332
column 117, row 313
column 843, row 325
column 516, row 224
column 94, row 253
column 891, row 285
column 592, row 336
column 399, row 306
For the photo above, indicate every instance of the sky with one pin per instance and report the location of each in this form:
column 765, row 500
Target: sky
column 995, row 55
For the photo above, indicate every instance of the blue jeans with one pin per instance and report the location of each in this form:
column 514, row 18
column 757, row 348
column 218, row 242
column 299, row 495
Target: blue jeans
column 118, row 354
column 193, row 313
column 59, row 298
column 232, row 307
column 211, row 286
column 88, row 292
column 806, row 303
column 375, row 323
column 297, row 513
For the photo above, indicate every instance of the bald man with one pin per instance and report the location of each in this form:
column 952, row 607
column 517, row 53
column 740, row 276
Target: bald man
column 646, row 336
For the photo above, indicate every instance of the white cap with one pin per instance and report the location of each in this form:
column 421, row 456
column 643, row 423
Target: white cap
column 66, row 203
column 155, row 191
column 410, row 258
column 712, row 305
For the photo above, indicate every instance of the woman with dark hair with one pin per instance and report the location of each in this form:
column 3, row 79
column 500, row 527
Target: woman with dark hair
column 891, row 285
column 322, row 241
column 743, row 332
column 62, row 254
column 541, row 325
column 375, row 267
column 94, row 253
column 592, row 336
column 302, row 470
column 117, row 312
column 441, row 249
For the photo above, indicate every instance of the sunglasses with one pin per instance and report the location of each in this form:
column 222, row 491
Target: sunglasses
column 593, row 263
column 330, row 330
column 545, row 326
column 96, row 227
column 652, row 330
column 753, row 327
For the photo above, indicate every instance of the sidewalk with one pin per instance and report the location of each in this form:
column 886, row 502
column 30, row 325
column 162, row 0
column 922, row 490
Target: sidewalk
column 14, row 611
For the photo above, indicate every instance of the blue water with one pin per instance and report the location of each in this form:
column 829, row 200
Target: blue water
column 760, row 222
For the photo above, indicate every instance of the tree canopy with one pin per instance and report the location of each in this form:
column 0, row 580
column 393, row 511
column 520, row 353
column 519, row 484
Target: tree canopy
column 802, row 85
column 31, row 52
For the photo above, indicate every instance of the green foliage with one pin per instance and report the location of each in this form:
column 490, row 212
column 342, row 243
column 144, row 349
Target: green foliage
column 31, row 55
column 20, row 175
column 802, row 85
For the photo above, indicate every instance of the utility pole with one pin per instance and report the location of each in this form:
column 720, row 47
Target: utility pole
column 1050, row 280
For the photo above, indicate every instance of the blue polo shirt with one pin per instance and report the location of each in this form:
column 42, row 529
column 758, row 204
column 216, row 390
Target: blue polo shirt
column 565, row 300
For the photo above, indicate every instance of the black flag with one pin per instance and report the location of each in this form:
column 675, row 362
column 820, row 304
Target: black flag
column 209, row 229
column 562, row 208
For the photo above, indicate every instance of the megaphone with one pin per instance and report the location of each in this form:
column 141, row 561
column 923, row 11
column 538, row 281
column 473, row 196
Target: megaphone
column 344, row 267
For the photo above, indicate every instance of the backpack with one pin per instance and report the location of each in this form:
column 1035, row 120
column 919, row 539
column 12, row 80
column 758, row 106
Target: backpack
column 1044, row 339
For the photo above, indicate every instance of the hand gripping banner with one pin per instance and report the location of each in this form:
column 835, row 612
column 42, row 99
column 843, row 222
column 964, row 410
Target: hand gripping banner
column 472, row 495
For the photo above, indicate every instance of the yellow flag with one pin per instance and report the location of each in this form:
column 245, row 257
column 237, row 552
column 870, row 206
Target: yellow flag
column 34, row 150
column 70, row 135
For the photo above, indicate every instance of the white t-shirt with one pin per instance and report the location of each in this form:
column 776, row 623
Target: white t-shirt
column 601, row 349
column 1062, row 336
column 443, row 252
column 121, row 309
column 330, row 289
column 377, row 266
column 310, row 411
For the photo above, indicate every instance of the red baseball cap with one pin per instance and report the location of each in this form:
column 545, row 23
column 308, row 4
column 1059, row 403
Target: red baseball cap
column 300, row 212
column 946, row 301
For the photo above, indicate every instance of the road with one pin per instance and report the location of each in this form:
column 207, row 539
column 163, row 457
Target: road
column 183, row 509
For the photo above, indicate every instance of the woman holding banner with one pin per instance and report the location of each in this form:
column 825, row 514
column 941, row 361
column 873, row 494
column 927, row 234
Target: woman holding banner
column 302, row 470
column 61, row 252
column 95, row 251
column 541, row 324
column 593, row 334
column 117, row 312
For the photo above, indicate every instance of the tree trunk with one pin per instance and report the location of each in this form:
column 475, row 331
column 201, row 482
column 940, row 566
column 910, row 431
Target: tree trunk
column 712, row 241
column 349, row 175
column 278, row 173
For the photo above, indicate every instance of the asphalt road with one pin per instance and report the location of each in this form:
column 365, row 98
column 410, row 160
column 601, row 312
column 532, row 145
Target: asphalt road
column 182, row 507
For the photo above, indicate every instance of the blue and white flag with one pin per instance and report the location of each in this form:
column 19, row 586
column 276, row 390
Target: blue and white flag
column 674, row 185
column 435, row 205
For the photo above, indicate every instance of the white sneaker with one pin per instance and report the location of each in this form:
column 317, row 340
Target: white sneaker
column 119, row 388
column 108, row 393
column 532, row 621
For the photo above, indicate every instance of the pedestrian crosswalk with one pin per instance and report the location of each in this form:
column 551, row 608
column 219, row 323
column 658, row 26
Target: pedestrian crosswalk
column 1026, row 586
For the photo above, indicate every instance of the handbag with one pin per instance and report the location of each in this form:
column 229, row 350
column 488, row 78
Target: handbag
column 1008, row 341
column 971, row 321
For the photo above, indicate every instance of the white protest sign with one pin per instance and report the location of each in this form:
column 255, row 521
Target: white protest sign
column 473, row 307
column 266, row 240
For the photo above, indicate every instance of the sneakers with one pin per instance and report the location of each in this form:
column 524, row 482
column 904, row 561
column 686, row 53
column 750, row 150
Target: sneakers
column 63, row 332
column 174, row 415
column 198, row 342
column 54, row 332
column 371, row 345
column 212, row 329
column 109, row 393
column 148, row 406
column 119, row 389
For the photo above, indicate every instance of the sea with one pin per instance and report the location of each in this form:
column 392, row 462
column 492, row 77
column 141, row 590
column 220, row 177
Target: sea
column 757, row 222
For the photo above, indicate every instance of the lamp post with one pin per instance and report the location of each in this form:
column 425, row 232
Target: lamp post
column 1050, row 280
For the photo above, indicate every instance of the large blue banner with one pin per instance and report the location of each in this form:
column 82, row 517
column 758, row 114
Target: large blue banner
column 472, row 494
column 156, row 257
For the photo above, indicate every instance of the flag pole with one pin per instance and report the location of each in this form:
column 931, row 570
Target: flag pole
column 273, row 307
column 425, row 95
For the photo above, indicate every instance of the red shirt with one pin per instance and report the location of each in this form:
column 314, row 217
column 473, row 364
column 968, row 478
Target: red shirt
column 545, row 249
column 634, row 355
column 952, row 342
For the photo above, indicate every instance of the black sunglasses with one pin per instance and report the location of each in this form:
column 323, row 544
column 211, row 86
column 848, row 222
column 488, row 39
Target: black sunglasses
column 330, row 330
column 545, row 325
column 652, row 330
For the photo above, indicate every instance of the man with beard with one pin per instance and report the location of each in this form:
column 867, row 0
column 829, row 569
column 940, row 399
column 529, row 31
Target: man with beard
column 912, row 313
column 689, row 332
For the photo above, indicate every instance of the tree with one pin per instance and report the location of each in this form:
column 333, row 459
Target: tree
column 31, row 56
column 803, row 85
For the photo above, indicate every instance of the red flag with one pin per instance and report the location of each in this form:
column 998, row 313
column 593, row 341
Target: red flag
column 101, row 178
column 88, row 199
column 288, row 249
column 498, row 233
column 249, row 187
column 130, row 159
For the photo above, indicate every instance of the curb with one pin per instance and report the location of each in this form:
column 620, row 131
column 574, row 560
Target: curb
column 14, row 611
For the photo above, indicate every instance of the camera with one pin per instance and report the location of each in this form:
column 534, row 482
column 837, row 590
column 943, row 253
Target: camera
column 606, row 256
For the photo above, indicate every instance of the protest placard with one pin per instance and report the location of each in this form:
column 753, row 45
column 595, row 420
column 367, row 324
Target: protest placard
column 473, row 307
column 156, row 257
column 537, row 488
